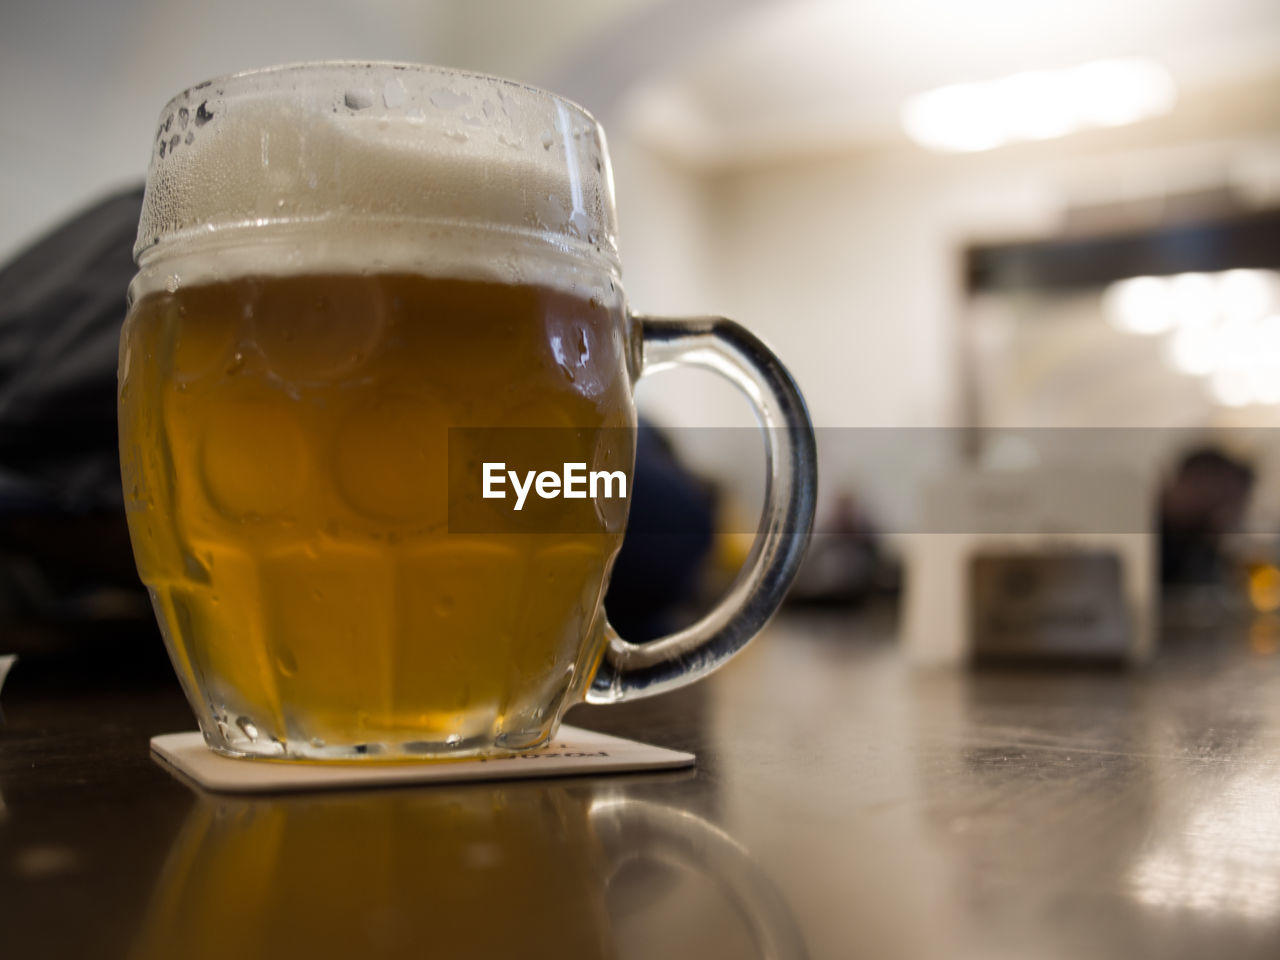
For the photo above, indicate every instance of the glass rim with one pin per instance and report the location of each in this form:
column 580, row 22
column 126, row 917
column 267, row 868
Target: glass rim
column 309, row 66
column 563, row 196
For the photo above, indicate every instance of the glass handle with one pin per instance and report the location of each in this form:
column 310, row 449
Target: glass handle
column 629, row 670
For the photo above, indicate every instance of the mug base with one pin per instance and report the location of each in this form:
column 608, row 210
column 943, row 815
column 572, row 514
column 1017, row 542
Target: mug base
column 380, row 750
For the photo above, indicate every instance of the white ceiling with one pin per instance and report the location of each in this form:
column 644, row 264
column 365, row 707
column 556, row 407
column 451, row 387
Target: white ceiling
column 792, row 76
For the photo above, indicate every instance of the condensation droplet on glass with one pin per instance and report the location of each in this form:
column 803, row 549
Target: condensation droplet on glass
column 446, row 99
column 547, row 139
column 357, row 100
column 394, row 94
column 245, row 724
column 578, row 223
column 452, row 740
column 195, row 569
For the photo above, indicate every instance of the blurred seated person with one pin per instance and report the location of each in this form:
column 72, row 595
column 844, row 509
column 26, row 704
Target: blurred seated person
column 65, row 558
column 664, row 556
column 845, row 564
column 1203, row 501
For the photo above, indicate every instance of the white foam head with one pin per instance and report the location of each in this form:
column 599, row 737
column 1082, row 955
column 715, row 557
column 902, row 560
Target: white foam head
column 374, row 155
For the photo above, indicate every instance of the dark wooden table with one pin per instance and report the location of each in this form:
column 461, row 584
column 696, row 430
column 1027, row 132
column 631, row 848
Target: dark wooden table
column 843, row 805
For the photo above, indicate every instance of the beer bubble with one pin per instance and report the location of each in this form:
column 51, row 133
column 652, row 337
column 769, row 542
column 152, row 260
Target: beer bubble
column 286, row 663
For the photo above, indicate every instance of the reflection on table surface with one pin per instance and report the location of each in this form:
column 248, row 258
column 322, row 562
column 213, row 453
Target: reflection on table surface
column 518, row 870
column 843, row 805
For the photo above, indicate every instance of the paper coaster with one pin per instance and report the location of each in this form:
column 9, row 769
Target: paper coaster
column 573, row 752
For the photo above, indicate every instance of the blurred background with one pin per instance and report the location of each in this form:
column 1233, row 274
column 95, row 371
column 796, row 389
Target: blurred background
column 948, row 219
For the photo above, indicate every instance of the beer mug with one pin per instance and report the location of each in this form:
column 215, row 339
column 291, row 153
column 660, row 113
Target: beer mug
column 342, row 267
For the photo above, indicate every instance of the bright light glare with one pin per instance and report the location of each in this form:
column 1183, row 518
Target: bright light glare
column 1264, row 384
column 1037, row 105
column 1219, row 859
column 1195, row 299
column 1230, row 389
column 1244, row 295
column 1111, row 93
column 1139, row 305
column 1222, row 326
column 963, row 118
column 1194, row 351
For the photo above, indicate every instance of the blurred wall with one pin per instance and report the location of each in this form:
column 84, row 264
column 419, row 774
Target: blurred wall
column 84, row 80
column 848, row 262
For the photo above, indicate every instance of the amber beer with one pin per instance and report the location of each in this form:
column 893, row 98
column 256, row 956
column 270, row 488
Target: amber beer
column 285, row 443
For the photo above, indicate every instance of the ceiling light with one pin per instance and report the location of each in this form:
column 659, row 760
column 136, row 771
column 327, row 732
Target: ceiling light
column 1037, row 105
column 1111, row 93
